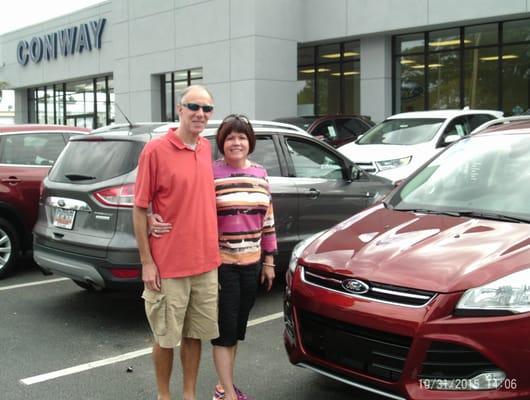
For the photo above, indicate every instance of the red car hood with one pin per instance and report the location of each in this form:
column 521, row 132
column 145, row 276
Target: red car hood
column 424, row 251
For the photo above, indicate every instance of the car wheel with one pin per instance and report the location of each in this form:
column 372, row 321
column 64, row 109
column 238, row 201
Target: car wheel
column 8, row 247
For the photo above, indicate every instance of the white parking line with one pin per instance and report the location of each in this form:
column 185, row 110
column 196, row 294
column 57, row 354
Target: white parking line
column 33, row 284
column 123, row 357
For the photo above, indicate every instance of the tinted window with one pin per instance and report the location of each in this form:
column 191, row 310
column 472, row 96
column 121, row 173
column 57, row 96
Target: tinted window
column 98, row 159
column 325, row 130
column 31, row 149
column 313, row 161
column 458, row 126
column 350, row 127
column 265, row 154
column 478, row 119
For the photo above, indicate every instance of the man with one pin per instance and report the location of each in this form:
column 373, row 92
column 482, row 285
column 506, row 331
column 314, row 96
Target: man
column 179, row 269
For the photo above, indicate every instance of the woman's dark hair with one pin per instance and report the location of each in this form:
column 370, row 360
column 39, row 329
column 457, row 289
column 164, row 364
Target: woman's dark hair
column 235, row 123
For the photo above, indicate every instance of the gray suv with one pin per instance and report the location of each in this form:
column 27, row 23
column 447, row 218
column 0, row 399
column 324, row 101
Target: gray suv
column 84, row 228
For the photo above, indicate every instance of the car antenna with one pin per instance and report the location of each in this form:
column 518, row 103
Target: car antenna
column 124, row 116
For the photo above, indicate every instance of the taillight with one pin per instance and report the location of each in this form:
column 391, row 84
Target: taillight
column 117, row 196
column 125, row 273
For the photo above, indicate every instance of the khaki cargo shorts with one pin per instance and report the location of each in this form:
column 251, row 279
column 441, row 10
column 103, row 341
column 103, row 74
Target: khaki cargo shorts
column 184, row 307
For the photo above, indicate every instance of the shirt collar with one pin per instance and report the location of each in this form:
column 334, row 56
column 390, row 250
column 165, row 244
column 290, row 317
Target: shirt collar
column 176, row 141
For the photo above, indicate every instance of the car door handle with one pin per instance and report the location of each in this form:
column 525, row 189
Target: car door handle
column 313, row 193
column 12, row 180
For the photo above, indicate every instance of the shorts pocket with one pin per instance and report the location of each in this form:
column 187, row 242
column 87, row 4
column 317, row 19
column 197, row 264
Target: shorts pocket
column 156, row 311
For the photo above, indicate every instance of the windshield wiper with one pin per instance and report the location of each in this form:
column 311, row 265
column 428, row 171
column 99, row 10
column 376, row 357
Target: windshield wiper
column 79, row 177
column 427, row 211
column 467, row 213
column 494, row 216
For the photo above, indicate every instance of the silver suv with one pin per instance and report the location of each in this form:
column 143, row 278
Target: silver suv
column 84, row 228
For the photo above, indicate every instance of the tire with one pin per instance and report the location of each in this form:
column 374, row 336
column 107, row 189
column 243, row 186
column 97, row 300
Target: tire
column 9, row 247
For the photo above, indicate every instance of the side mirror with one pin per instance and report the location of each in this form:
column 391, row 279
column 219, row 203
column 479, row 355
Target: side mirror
column 353, row 173
column 451, row 139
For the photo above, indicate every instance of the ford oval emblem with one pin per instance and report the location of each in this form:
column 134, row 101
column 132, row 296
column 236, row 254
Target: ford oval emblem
column 355, row 286
column 61, row 203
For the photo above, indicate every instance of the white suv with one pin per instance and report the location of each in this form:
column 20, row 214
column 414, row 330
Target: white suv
column 399, row 145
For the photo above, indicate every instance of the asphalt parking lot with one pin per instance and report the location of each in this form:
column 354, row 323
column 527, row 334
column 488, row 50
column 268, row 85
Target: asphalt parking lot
column 61, row 342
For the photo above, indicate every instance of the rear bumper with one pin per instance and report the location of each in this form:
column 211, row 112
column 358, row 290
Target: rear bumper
column 92, row 270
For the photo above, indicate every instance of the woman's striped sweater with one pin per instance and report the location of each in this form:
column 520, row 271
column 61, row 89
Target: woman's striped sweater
column 245, row 216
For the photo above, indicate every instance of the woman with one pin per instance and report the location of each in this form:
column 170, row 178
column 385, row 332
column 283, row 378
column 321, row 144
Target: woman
column 246, row 235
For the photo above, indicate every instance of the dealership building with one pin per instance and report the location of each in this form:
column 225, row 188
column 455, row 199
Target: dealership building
column 270, row 58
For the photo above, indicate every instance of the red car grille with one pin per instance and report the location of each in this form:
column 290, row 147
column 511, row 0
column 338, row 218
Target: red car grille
column 377, row 291
column 373, row 352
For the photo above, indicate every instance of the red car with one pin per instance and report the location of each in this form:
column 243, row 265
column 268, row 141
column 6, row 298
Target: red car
column 26, row 154
column 336, row 130
column 426, row 295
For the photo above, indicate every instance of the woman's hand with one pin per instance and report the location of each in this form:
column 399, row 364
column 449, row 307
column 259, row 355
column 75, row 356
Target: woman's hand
column 156, row 225
column 267, row 273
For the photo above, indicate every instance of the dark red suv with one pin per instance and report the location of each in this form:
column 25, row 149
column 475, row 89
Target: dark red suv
column 426, row 295
column 26, row 154
column 335, row 130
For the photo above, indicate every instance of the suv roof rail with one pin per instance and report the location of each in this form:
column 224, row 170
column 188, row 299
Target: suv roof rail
column 255, row 123
column 274, row 124
column 500, row 121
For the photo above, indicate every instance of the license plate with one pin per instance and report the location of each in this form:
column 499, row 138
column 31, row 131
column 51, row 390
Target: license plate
column 64, row 218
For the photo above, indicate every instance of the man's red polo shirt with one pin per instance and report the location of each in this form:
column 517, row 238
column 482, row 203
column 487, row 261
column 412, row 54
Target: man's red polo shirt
column 178, row 182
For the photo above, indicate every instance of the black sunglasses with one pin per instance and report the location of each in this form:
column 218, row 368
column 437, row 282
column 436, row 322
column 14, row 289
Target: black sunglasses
column 196, row 107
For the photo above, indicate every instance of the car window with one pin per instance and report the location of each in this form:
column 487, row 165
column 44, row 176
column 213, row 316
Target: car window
column 474, row 174
column 326, row 130
column 349, row 127
column 88, row 161
column 313, row 161
column 265, row 154
column 31, row 148
column 476, row 120
column 403, row 131
column 458, row 126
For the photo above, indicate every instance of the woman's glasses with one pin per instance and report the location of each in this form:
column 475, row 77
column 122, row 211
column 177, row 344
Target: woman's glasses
column 196, row 107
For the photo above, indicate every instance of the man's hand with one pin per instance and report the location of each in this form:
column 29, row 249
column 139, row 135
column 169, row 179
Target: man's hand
column 151, row 277
column 157, row 226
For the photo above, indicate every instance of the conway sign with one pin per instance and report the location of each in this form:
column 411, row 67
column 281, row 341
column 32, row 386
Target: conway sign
column 64, row 42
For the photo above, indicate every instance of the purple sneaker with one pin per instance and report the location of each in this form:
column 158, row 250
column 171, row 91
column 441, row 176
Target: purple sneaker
column 241, row 395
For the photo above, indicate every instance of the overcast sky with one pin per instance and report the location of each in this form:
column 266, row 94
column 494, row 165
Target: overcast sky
column 16, row 14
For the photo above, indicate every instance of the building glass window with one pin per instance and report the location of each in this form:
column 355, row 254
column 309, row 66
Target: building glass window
column 444, row 79
column 110, row 100
column 87, row 103
column 516, row 78
column 329, row 79
column 411, row 86
column 328, row 89
column 41, row 105
column 481, row 35
column 481, row 81
column 480, row 66
column 80, row 104
column 173, row 83
column 306, row 81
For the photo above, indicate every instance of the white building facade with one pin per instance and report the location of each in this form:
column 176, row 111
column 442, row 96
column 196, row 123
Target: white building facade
column 270, row 58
